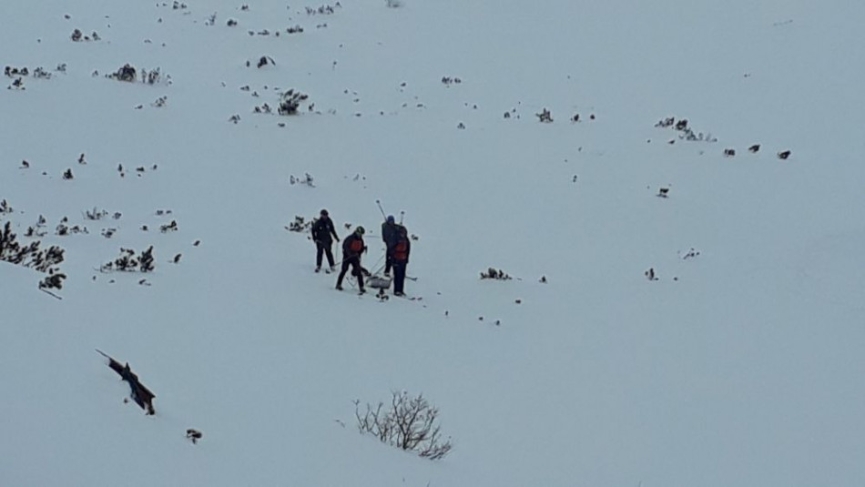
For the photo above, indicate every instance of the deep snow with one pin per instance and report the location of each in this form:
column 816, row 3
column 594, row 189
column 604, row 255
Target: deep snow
column 739, row 366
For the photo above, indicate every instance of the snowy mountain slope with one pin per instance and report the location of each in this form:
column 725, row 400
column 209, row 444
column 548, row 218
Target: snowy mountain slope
column 737, row 366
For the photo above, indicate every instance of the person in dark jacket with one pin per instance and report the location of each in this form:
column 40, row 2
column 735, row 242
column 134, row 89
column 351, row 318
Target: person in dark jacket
column 389, row 234
column 399, row 258
column 323, row 234
column 352, row 247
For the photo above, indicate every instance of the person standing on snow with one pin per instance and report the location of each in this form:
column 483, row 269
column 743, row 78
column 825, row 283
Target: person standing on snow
column 389, row 234
column 352, row 247
column 323, row 235
column 398, row 256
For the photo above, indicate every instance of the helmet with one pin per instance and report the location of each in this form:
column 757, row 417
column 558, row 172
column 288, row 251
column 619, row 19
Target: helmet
column 390, row 219
column 359, row 230
column 323, row 212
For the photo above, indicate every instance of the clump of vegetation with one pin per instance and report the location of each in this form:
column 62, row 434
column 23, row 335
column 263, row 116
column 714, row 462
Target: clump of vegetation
column 169, row 227
column 409, row 423
column 30, row 255
column 289, row 102
column 305, row 180
column 496, row 274
column 129, row 74
column 545, row 116
column 11, row 72
column 685, row 131
column 323, row 10
column 78, row 36
column 130, row 262
column 126, row 73
column 691, row 254
column 264, row 108
column 194, row 435
column 300, row 224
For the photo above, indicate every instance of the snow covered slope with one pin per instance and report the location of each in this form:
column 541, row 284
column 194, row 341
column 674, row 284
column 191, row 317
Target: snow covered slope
column 739, row 365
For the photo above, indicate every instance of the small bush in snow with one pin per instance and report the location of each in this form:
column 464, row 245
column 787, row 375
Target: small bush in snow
column 496, row 274
column 12, row 72
column 78, row 36
column 290, row 101
column 300, row 224
column 323, row 10
column 169, row 227
column 691, row 254
column 393, row 3
column 194, row 435
column 545, row 116
column 129, row 74
column 40, row 73
column 264, row 108
column 686, row 133
column 264, row 61
column 17, row 84
column 129, row 262
column 54, row 280
column 31, row 256
column 409, row 423
column 126, row 73
column 305, row 180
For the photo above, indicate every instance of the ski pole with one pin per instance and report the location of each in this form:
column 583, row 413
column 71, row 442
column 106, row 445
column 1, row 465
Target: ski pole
column 380, row 209
column 401, row 214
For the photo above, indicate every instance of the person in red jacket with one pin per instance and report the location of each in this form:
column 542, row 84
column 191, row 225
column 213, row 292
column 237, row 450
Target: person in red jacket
column 399, row 259
column 352, row 247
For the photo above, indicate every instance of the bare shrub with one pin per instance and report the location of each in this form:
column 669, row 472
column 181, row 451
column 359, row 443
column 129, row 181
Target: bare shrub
column 129, row 262
column 290, row 101
column 43, row 260
column 496, row 274
column 409, row 423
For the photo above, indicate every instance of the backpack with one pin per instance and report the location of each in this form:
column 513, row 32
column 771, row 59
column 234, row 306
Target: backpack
column 356, row 246
column 400, row 250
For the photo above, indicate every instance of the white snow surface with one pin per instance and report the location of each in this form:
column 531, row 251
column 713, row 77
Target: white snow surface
column 742, row 365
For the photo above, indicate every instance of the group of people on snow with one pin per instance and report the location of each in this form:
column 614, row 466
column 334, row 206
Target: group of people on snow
column 394, row 236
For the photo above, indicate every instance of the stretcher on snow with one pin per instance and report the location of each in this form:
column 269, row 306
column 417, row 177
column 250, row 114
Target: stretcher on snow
column 378, row 282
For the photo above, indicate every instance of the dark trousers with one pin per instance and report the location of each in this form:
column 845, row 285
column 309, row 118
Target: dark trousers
column 356, row 271
column 399, row 277
column 388, row 261
column 323, row 248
